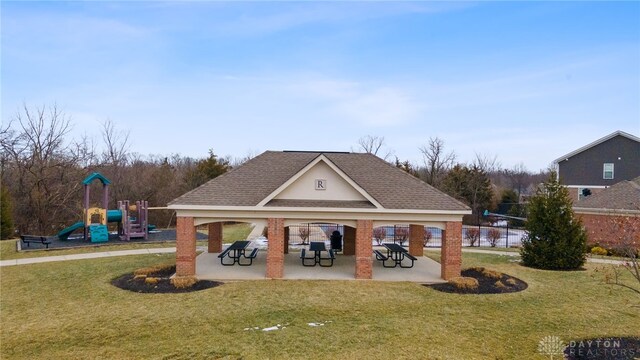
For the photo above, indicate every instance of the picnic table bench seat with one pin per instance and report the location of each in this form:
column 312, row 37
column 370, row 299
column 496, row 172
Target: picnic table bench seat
column 28, row 239
column 224, row 253
column 253, row 255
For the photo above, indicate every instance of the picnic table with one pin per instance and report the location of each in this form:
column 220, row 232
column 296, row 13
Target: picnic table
column 317, row 247
column 237, row 251
column 395, row 254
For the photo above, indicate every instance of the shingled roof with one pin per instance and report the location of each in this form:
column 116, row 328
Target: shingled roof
column 255, row 180
column 624, row 195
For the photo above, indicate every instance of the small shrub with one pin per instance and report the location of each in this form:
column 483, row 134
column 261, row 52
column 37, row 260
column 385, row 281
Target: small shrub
column 500, row 285
column 379, row 234
column 511, row 281
column 183, row 282
column 151, row 280
column 492, row 274
column 400, row 234
column 472, row 235
column 488, row 273
column 464, row 282
column 152, row 269
column 139, row 277
column 597, row 250
column 426, row 237
column 304, row 234
column 493, row 235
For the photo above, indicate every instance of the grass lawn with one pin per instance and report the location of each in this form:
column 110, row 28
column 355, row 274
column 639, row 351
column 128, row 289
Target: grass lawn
column 230, row 233
column 69, row 310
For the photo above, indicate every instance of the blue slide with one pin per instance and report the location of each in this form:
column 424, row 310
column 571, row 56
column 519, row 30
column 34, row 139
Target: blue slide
column 64, row 233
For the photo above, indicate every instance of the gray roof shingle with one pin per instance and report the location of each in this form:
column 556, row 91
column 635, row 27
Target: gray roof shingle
column 624, row 195
column 250, row 183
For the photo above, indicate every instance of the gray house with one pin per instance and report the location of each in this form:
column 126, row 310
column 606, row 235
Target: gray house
column 600, row 164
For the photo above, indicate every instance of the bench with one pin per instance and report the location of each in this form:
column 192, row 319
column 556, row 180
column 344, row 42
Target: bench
column 410, row 257
column 380, row 256
column 251, row 256
column 303, row 256
column 224, row 253
column 28, row 239
column 331, row 257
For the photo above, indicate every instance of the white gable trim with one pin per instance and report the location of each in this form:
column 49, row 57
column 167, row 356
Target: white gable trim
column 324, row 159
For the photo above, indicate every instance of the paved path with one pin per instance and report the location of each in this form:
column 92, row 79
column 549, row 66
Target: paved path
column 168, row 250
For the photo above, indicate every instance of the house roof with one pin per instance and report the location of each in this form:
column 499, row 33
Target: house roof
column 597, row 142
column 624, row 195
column 259, row 178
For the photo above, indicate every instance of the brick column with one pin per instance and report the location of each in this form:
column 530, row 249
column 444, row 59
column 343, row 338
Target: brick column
column 185, row 247
column 286, row 240
column 349, row 241
column 275, row 249
column 364, row 249
column 451, row 257
column 416, row 243
column 215, row 238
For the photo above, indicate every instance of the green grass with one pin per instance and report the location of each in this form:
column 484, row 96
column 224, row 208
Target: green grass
column 69, row 310
column 8, row 250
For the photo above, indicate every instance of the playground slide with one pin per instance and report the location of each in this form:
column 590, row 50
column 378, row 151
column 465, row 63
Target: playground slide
column 64, row 233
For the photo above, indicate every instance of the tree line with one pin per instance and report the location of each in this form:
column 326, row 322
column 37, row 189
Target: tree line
column 482, row 184
column 42, row 168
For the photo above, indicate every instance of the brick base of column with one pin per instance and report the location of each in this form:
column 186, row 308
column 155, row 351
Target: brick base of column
column 275, row 249
column 451, row 256
column 364, row 249
column 416, row 243
column 215, row 238
column 185, row 246
column 286, row 240
column 349, row 241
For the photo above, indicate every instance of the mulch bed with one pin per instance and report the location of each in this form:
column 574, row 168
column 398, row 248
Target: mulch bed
column 163, row 286
column 486, row 285
column 611, row 348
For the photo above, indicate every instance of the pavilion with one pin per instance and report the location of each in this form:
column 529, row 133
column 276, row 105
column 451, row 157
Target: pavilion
column 279, row 189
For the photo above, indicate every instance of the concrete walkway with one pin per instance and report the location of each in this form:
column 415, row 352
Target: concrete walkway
column 95, row 255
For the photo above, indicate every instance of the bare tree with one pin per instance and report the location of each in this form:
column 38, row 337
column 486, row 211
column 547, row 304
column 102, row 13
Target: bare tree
column 518, row 176
column 116, row 144
column 436, row 161
column 41, row 168
column 487, row 163
column 373, row 145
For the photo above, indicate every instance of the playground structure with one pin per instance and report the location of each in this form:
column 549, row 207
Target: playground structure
column 132, row 219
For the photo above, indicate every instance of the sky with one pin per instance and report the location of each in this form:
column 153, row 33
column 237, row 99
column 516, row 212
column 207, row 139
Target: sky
column 527, row 82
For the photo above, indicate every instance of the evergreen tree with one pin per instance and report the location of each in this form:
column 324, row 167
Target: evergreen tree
column 6, row 218
column 207, row 169
column 470, row 185
column 556, row 239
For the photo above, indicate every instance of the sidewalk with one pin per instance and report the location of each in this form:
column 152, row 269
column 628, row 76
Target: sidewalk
column 95, row 255
column 168, row 250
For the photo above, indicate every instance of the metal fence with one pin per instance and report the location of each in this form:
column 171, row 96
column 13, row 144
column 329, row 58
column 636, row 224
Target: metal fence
column 472, row 236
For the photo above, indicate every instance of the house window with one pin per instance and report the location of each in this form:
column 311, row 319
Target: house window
column 608, row 171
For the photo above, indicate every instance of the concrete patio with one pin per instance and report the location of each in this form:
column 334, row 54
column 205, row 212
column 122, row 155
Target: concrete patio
column 208, row 267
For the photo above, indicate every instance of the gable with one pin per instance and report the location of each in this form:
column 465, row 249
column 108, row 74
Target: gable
column 333, row 186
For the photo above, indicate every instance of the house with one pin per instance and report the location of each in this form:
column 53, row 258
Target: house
column 280, row 189
column 600, row 164
column 612, row 216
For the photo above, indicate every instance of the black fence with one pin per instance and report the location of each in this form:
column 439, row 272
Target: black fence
column 472, row 236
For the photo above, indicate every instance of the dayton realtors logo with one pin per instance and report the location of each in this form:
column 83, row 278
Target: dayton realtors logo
column 551, row 346
column 607, row 348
